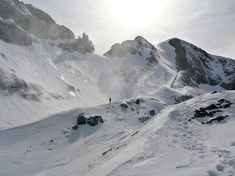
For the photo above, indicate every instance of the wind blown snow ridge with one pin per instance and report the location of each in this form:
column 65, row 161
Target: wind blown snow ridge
column 171, row 110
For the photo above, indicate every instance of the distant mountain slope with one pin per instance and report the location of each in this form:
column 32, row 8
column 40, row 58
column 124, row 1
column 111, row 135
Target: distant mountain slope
column 42, row 79
column 31, row 20
column 193, row 65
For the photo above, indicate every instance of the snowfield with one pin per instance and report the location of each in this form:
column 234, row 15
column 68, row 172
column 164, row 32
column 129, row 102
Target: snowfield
column 172, row 111
column 167, row 144
column 144, row 131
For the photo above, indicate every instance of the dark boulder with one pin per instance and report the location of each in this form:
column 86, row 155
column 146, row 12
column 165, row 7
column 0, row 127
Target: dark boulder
column 183, row 98
column 93, row 121
column 218, row 119
column 211, row 110
column 152, row 113
column 144, row 119
column 200, row 113
column 75, row 127
column 138, row 101
column 211, row 107
column 226, row 105
column 222, row 103
column 124, row 106
column 81, row 120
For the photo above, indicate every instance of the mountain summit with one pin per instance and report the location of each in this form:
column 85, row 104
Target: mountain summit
column 195, row 66
column 139, row 46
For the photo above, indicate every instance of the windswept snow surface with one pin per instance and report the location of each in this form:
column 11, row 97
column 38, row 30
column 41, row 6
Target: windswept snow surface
column 56, row 81
column 50, row 79
column 147, row 135
column 40, row 80
column 168, row 144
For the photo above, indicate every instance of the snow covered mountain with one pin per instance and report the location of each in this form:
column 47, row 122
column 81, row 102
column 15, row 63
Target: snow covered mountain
column 195, row 66
column 172, row 111
column 20, row 23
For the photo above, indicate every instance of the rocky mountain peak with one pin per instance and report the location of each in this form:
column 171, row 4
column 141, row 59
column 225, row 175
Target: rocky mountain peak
column 143, row 42
column 28, row 22
column 139, row 46
column 195, row 66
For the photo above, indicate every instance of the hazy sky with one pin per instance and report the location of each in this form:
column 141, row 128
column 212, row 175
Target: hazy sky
column 210, row 24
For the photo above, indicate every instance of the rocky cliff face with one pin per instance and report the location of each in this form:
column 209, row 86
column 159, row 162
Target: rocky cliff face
column 81, row 44
column 26, row 21
column 195, row 66
column 12, row 33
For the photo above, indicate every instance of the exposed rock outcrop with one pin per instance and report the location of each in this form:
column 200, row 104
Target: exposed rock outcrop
column 81, row 44
column 11, row 84
column 91, row 121
column 206, row 114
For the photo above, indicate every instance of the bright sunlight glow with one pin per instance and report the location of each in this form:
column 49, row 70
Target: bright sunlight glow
column 136, row 13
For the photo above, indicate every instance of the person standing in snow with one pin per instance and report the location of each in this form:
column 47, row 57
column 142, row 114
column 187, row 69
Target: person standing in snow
column 110, row 100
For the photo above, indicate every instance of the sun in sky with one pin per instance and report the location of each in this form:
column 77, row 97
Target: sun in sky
column 136, row 13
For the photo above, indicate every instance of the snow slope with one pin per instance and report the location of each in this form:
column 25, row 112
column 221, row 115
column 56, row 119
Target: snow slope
column 55, row 80
column 47, row 78
column 167, row 144
column 180, row 147
column 47, row 145
column 43, row 79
